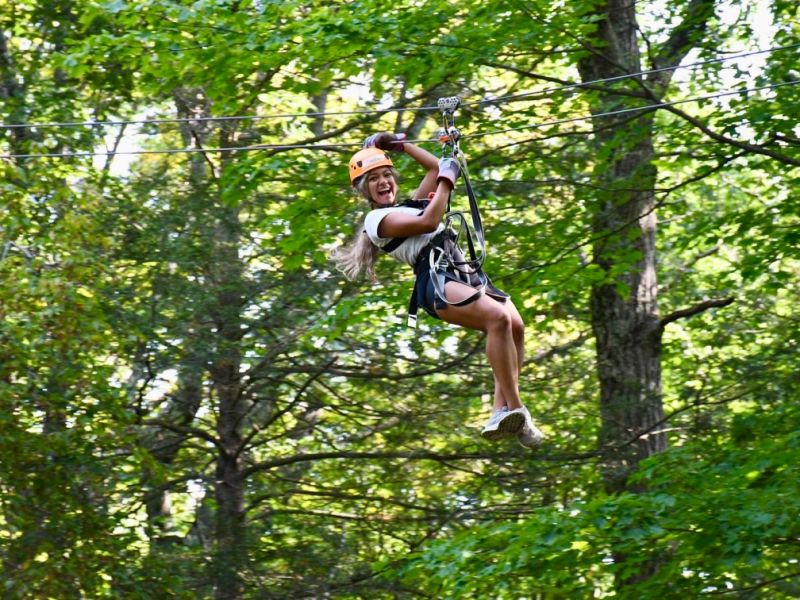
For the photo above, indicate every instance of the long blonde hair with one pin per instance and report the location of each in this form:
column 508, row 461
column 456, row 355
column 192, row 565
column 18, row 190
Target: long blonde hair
column 360, row 255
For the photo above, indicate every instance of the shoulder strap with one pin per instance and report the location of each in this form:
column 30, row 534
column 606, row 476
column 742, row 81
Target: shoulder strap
column 395, row 243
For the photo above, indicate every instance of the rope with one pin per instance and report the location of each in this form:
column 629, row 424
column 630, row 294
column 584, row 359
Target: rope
column 280, row 147
column 508, row 98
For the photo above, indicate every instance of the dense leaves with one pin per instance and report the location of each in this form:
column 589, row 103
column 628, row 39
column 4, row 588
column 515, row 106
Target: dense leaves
column 193, row 403
column 718, row 518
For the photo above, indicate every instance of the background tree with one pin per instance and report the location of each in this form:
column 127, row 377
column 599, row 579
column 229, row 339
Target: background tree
column 243, row 423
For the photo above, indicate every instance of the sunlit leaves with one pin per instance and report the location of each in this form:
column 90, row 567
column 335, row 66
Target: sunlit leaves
column 111, row 286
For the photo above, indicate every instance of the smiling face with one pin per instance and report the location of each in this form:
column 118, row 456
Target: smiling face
column 382, row 186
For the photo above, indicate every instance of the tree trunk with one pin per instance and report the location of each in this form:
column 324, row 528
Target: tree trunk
column 231, row 552
column 224, row 285
column 625, row 316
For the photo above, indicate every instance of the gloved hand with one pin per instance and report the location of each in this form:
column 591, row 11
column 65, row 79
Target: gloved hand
column 386, row 141
column 448, row 170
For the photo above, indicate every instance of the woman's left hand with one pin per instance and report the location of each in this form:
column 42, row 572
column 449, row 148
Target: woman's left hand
column 449, row 170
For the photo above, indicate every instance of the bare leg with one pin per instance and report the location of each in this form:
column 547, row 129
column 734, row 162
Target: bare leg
column 518, row 330
column 518, row 333
column 494, row 319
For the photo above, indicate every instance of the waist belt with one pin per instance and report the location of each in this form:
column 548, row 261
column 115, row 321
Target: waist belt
column 445, row 261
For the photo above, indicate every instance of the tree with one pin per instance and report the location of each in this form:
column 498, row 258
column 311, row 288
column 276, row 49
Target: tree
column 254, row 426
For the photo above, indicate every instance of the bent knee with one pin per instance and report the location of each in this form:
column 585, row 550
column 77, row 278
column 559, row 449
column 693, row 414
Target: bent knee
column 501, row 320
column 517, row 326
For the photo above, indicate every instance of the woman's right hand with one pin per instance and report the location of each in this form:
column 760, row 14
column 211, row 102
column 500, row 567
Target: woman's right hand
column 391, row 142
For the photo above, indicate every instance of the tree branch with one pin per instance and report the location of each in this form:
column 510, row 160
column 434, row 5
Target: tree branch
column 693, row 310
column 412, row 455
column 560, row 350
column 682, row 39
column 723, row 162
column 193, row 431
column 756, row 149
column 761, row 584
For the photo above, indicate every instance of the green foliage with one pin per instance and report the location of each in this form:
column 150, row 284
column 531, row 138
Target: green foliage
column 717, row 518
column 129, row 291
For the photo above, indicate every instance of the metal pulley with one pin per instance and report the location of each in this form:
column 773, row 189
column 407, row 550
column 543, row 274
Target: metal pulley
column 448, row 134
column 449, row 104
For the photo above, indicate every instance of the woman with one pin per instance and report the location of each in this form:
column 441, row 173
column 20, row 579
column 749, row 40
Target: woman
column 415, row 226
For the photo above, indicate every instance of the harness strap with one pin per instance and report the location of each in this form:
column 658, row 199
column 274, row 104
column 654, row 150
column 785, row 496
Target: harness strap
column 413, row 303
column 413, row 306
column 437, row 267
column 477, row 223
column 395, row 243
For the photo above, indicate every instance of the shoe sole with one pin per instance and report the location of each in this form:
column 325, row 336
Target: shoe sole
column 510, row 425
column 532, row 446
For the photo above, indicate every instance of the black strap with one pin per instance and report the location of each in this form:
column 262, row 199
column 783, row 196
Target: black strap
column 477, row 224
column 422, row 204
column 395, row 243
column 474, row 262
column 413, row 306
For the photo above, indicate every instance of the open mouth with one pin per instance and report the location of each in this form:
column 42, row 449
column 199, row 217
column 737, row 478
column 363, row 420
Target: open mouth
column 385, row 195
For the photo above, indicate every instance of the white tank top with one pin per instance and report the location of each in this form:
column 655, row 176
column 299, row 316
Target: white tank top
column 406, row 252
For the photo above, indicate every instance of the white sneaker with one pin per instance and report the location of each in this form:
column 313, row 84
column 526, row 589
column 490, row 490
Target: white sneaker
column 529, row 436
column 503, row 423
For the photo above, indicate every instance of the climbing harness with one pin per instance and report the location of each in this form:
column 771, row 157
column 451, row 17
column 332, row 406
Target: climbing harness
column 446, row 260
column 443, row 257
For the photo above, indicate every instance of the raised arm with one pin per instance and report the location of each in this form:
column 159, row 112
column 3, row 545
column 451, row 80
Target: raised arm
column 431, row 165
column 442, row 178
column 395, row 142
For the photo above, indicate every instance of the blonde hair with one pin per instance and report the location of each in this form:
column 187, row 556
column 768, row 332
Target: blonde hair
column 360, row 255
column 357, row 257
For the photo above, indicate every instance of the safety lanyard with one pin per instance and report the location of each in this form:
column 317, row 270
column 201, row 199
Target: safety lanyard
column 449, row 137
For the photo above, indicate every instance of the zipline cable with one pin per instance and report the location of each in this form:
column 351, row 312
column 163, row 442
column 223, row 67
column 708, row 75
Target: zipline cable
column 499, row 99
column 191, row 150
column 644, row 108
column 571, row 86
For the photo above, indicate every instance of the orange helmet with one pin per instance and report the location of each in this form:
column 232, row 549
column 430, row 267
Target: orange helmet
column 366, row 160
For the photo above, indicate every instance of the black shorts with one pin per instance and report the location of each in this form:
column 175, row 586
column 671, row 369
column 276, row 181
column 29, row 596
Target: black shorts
column 426, row 294
column 427, row 298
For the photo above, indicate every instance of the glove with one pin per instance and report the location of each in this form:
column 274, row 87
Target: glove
column 386, row 141
column 448, row 171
